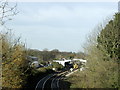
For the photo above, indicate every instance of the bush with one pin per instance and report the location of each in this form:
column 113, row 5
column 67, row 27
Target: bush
column 57, row 66
column 14, row 63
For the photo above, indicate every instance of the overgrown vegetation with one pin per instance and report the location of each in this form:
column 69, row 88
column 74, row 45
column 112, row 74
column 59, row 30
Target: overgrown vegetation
column 14, row 62
column 57, row 66
column 103, row 59
column 13, row 56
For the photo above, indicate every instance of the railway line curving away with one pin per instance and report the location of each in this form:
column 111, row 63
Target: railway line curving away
column 51, row 81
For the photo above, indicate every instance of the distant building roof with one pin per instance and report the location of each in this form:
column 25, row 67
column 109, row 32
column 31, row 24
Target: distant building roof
column 81, row 60
column 35, row 62
column 32, row 58
column 62, row 61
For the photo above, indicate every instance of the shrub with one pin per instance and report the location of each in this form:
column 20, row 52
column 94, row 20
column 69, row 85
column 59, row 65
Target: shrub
column 14, row 62
column 57, row 66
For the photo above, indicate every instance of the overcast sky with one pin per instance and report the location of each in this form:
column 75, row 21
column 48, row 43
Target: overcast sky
column 62, row 26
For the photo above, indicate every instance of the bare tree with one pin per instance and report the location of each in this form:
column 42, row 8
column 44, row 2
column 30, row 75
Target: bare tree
column 7, row 10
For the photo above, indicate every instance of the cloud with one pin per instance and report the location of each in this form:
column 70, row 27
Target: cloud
column 59, row 25
column 61, row 15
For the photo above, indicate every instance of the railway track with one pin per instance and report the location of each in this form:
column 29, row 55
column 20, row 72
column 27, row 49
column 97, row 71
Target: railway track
column 50, row 82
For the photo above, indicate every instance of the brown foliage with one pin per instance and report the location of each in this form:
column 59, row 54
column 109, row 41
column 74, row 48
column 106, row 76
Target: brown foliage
column 13, row 62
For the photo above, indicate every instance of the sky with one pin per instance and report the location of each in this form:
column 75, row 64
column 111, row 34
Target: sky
column 59, row 25
column 63, row 0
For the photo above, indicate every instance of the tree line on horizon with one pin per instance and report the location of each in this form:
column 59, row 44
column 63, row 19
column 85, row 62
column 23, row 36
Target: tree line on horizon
column 54, row 54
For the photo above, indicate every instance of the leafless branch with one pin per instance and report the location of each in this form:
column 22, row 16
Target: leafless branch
column 6, row 11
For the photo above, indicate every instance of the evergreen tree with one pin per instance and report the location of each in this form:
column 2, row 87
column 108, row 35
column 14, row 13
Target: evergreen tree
column 109, row 39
